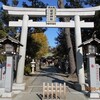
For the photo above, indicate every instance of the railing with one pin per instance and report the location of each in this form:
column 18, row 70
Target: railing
column 54, row 91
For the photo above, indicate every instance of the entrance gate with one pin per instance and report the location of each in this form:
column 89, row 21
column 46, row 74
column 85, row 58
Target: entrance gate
column 51, row 13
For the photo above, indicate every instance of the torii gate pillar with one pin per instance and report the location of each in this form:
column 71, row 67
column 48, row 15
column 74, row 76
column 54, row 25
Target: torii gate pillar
column 22, row 49
column 20, row 71
column 79, row 53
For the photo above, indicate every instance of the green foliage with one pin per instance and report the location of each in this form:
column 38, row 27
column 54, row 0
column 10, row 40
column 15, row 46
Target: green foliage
column 2, row 34
column 27, row 69
column 61, row 42
column 15, row 2
column 87, row 33
column 96, row 20
column 74, row 3
column 5, row 2
column 4, row 29
column 92, row 2
column 35, row 4
column 2, row 58
column 5, row 18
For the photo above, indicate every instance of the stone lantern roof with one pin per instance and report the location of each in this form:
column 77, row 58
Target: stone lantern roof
column 92, row 41
column 10, row 40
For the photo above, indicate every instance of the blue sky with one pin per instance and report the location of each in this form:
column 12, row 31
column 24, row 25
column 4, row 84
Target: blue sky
column 51, row 33
column 50, row 2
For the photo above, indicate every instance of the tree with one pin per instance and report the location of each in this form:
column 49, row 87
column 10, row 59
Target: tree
column 68, row 42
column 5, row 2
column 5, row 18
column 87, row 33
column 40, row 45
column 61, row 41
column 92, row 2
column 95, row 19
column 35, row 4
column 2, row 34
column 15, row 2
column 4, row 21
column 32, row 47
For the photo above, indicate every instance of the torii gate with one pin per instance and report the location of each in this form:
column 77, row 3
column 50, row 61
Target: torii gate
column 25, row 23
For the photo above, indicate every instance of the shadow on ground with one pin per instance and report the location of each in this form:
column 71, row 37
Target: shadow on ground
column 50, row 71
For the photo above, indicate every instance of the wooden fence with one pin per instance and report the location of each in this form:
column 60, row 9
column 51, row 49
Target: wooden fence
column 54, row 91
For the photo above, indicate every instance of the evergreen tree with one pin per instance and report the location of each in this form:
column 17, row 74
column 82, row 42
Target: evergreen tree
column 5, row 2
column 61, row 44
column 68, row 41
column 4, row 21
column 15, row 2
column 35, row 4
column 95, row 19
column 86, row 33
column 5, row 18
column 92, row 2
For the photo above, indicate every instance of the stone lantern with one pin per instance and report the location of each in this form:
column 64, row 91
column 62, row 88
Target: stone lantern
column 10, row 44
column 94, row 69
column 33, row 66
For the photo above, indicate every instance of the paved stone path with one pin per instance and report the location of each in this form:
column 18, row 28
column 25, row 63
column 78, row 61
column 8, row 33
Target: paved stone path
column 47, row 74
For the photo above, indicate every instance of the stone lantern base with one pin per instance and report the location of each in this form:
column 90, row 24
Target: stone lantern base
column 17, row 86
column 9, row 94
column 94, row 95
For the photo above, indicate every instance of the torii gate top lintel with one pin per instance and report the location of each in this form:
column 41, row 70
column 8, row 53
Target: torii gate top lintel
column 59, row 12
column 43, row 9
column 44, row 12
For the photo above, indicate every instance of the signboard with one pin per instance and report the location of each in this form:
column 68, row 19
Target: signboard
column 51, row 15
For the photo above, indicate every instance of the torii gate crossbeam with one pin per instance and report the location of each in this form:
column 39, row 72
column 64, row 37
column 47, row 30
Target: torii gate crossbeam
column 57, row 25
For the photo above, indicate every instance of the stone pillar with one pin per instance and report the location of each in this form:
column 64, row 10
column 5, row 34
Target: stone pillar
column 0, row 72
column 9, row 74
column 22, row 52
column 79, row 53
column 94, row 84
column 8, row 78
column 92, row 69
